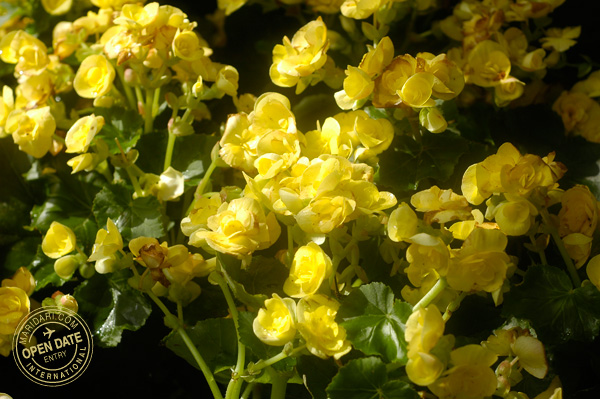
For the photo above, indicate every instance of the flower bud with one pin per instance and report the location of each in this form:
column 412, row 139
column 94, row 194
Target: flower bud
column 433, row 120
column 65, row 267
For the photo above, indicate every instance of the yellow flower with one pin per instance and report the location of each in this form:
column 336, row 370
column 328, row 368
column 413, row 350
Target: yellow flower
column 579, row 212
column 82, row 162
column 580, row 115
column 375, row 135
column 107, row 242
column 239, row 228
column 325, row 213
column 26, row 51
column 276, row 151
column 441, row 206
column 507, row 90
column 481, row 263
column 229, row 6
column 589, row 86
column 359, row 9
column 433, row 120
column 514, row 216
column 274, row 324
column 357, row 84
column 58, row 241
column 325, row 6
column 23, row 279
column 377, row 58
column 7, row 105
column 14, row 305
column 57, row 7
column 204, row 207
column 32, row 130
column 94, row 77
column 561, row 39
column 578, row 219
column 114, row 4
column 170, row 185
column 65, row 266
column 187, row 46
column 470, row 377
column 428, row 257
column 310, row 267
column 402, row 223
column 315, row 316
column 302, row 56
column 33, row 91
column 424, row 328
column 532, row 356
column 80, row 135
column 488, row 64
column 424, row 368
column 593, row 270
column 238, row 144
column 272, row 111
column 5, row 348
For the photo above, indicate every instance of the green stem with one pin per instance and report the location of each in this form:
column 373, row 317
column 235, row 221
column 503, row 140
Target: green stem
column 285, row 353
column 135, row 183
column 540, row 251
column 279, row 384
column 205, row 180
column 210, row 378
column 571, row 269
column 247, row 391
column 80, row 252
column 155, row 102
column 148, row 119
column 126, row 87
column 169, row 153
column 58, row 138
column 453, row 306
column 235, row 384
column 432, row 294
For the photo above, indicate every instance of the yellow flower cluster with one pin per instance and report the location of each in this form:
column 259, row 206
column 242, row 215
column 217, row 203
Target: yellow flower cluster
column 307, row 177
column 579, row 110
column 491, row 48
column 313, row 316
column 171, row 268
column 402, row 81
column 303, row 61
column 14, row 305
column 522, row 352
column 424, row 328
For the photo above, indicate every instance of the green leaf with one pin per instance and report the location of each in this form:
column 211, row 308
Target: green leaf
column 113, row 305
column 68, row 201
column 191, row 156
column 215, row 339
column 42, row 269
column 433, row 158
column 367, row 378
column 120, row 124
column 133, row 217
column 232, row 271
column 557, row 312
column 317, row 374
column 375, row 322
